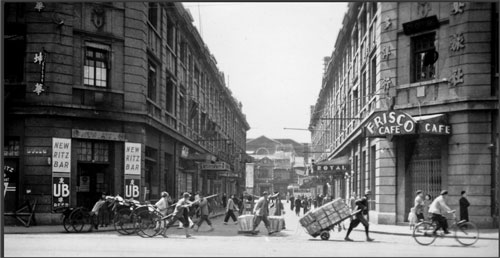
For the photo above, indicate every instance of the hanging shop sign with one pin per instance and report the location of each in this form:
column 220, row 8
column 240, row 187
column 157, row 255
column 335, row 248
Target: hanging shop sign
column 60, row 191
column 40, row 58
column 184, row 152
column 132, row 158
column 221, row 165
column 331, row 168
column 61, row 155
column 132, row 188
column 390, row 123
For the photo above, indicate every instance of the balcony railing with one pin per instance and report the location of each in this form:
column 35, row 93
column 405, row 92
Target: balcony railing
column 104, row 100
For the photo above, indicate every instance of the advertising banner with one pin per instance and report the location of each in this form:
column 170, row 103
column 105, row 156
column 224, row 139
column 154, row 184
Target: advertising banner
column 61, row 155
column 249, row 175
column 60, row 190
column 132, row 158
column 132, row 188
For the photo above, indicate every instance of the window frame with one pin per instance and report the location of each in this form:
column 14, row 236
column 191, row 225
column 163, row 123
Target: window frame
column 413, row 55
column 105, row 50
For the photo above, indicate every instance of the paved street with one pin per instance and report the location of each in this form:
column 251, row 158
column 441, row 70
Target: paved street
column 225, row 241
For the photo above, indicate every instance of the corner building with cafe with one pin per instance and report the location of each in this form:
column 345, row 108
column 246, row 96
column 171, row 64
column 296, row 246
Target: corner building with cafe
column 409, row 101
column 117, row 97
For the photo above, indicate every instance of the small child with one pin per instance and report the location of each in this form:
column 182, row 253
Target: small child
column 412, row 218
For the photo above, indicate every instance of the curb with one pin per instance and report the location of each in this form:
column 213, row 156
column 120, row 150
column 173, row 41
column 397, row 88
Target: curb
column 62, row 231
column 409, row 234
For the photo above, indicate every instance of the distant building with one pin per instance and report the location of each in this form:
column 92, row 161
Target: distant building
column 409, row 99
column 277, row 162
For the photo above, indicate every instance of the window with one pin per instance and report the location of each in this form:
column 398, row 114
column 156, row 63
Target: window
column 153, row 14
column 363, row 89
column 11, row 147
column 15, row 52
column 171, row 35
column 355, row 99
column 373, row 77
column 96, row 65
column 152, row 82
column 170, row 97
column 424, row 57
column 92, row 151
column 182, row 108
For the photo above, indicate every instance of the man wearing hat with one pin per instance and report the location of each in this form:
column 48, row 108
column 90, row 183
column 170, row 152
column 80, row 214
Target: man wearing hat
column 437, row 208
column 261, row 212
column 419, row 205
column 362, row 206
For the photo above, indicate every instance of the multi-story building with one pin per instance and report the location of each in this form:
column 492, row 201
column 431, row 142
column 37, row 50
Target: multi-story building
column 410, row 99
column 116, row 97
column 275, row 163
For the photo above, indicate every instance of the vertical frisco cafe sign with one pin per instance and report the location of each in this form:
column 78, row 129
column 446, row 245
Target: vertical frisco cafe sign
column 132, row 169
column 61, row 172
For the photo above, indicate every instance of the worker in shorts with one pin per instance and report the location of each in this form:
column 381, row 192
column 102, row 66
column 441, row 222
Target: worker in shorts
column 181, row 212
column 362, row 205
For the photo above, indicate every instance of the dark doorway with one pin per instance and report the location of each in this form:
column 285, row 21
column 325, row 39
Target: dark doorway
column 92, row 181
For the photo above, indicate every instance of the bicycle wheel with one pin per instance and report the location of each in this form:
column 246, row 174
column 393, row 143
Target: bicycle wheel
column 422, row 233
column 148, row 224
column 67, row 225
column 466, row 233
column 123, row 222
column 77, row 219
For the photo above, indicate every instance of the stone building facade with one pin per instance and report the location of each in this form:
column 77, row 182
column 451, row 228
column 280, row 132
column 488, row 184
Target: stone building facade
column 119, row 97
column 410, row 97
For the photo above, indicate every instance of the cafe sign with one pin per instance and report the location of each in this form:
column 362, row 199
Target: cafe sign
column 434, row 128
column 390, row 123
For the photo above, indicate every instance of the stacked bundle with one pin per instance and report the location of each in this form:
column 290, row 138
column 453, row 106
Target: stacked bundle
column 325, row 216
column 245, row 222
column 276, row 222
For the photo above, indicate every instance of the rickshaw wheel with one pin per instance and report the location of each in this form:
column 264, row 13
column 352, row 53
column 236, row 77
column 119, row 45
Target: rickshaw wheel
column 325, row 235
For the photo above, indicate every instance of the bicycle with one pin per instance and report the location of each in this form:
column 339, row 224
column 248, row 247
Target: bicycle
column 125, row 219
column 65, row 217
column 154, row 223
column 466, row 233
column 81, row 217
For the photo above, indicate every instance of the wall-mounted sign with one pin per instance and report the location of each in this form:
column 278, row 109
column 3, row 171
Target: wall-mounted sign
column 60, row 191
column 184, row 151
column 132, row 158
column 36, row 151
column 84, row 184
column 389, row 123
column 221, row 165
column 40, row 58
column 433, row 128
column 132, row 188
column 427, row 23
column 61, row 155
column 97, row 135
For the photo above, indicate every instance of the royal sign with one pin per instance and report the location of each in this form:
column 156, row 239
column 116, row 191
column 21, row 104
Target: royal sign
column 390, row 123
column 330, row 168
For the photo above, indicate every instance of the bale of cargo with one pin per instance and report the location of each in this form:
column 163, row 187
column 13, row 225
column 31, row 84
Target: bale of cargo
column 245, row 222
column 307, row 219
column 276, row 222
column 313, row 228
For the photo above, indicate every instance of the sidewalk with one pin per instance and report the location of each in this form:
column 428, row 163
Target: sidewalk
column 48, row 229
column 491, row 234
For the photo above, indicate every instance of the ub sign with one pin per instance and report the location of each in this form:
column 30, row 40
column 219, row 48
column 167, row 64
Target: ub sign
column 132, row 158
column 60, row 191
column 132, row 188
column 61, row 155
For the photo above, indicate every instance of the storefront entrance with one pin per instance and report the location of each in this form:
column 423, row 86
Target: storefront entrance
column 92, row 181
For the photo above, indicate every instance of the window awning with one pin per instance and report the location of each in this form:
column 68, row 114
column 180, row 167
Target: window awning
column 433, row 124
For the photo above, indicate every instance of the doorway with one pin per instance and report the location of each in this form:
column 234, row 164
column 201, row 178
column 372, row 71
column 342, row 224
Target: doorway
column 92, row 181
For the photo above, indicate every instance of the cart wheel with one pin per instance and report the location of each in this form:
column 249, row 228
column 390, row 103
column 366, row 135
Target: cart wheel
column 325, row 235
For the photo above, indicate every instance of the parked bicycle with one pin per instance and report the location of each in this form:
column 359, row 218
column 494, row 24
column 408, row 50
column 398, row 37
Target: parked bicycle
column 125, row 218
column 65, row 217
column 466, row 233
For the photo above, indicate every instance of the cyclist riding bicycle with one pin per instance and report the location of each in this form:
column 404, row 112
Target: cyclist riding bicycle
column 437, row 208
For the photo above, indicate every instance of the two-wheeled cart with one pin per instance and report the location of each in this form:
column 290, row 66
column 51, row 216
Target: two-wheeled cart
column 320, row 221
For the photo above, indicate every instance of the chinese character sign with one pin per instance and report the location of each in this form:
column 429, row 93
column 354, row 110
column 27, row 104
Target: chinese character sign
column 60, row 191
column 132, row 158
column 61, row 155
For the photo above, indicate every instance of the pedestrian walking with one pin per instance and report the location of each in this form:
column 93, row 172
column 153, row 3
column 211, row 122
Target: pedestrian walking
column 352, row 201
column 362, row 205
column 261, row 213
column 437, row 209
column 224, row 200
column 203, row 209
column 464, row 207
column 181, row 213
column 418, row 205
column 297, row 206
column 230, row 209
column 427, row 203
column 292, row 202
column 163, row 205
column 305, row 205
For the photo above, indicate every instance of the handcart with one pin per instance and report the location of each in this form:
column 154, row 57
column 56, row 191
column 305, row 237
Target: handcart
column 320, row 221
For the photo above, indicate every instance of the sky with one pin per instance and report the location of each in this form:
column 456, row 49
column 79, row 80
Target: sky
column 272, row 57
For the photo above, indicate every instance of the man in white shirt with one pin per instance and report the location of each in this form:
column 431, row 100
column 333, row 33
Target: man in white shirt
column 419, row 205
column 437, row 208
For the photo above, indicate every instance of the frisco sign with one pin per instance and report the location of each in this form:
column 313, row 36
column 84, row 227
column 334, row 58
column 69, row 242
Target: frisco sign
column 390, row 123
